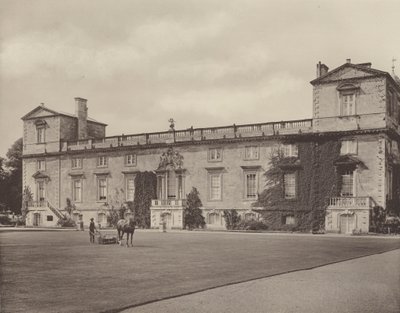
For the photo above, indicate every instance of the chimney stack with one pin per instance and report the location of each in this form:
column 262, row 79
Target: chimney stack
column 322, row 69
column 348, row 60
column 81, row 112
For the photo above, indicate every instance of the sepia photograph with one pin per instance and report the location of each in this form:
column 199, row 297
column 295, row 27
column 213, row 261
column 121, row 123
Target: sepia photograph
column 199, row 156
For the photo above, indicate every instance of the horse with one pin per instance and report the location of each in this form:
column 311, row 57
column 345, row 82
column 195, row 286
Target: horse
column 128, row 227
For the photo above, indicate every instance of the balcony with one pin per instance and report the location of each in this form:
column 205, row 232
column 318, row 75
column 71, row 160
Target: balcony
column 168, row 203
column 350, row 203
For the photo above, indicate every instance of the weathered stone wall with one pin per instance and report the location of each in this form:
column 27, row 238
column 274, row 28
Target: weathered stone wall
column 68, row 128
column 96, row 130
column 52, row 136
column 370, row 106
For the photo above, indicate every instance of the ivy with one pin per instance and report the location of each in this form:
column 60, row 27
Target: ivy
column 316, row 181
column 145, row 191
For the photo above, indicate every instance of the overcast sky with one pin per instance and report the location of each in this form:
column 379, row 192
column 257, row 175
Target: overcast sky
column 204, row 63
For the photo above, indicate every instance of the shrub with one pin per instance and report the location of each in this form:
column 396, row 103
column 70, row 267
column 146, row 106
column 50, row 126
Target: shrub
column 66, row 222
column 252, row 225
column 193, row 215
column 232, row 219
column 5, row 220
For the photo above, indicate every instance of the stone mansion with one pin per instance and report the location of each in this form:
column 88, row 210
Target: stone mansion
column 355, row 109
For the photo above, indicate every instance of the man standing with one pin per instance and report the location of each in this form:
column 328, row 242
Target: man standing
column 92, row 229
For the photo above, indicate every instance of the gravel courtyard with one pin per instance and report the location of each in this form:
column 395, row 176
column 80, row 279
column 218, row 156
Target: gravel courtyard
column 59, row 271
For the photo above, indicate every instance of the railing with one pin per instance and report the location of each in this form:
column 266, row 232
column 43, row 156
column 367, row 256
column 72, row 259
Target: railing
column 198, row 134
column 351, row 202
column 45, row 204
column 168, row 202
column 37, row 204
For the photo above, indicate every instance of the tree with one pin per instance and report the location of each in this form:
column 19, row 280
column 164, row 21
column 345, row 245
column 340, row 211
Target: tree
column 11, row 178
column 193, row 217
column 3, row 185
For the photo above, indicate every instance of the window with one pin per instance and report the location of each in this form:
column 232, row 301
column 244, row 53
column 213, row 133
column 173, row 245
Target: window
column 40, row 134
column 41, row 165
column 289, row 180
column 215, row 154
column 348, row 102
column 389, row 183
column 391, row 103
column 77, row 190
column 289, row 220
column 102, row 161
column 347, row 184
column 171, row 184
column 215, row 186
column 213, row 218
column 49, row 218
column 76, row 163
column 41, row 193
column 250, row 182
column 102, row 188
column 130, row 188
column 251, row 153
column 348, row 147
column 289, row 150
column 130, row 160
column 250, row 217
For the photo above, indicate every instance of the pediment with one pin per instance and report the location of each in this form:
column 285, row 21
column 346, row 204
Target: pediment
column 40, row 175
column 40, row 111
column 348, row 71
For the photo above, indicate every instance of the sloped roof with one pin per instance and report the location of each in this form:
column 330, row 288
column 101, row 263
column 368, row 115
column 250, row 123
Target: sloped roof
column 53, row 112
column 359, row 67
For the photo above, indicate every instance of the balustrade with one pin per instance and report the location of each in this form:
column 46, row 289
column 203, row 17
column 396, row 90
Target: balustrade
column 347, row 202
column 234, row 131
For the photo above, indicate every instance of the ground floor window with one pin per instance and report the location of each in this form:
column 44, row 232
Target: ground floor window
column 289, row 220
column 213, row 218
column 49, row 218
column 249, row 217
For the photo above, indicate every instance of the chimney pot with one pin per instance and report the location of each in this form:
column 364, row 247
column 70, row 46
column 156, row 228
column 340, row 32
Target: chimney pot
column 322, row 69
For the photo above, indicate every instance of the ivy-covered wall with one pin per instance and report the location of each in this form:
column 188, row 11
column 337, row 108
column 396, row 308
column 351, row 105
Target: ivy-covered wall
column 145, row 191
column 316, row 182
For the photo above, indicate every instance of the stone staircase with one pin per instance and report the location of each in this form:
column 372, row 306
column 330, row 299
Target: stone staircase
column 55, row 211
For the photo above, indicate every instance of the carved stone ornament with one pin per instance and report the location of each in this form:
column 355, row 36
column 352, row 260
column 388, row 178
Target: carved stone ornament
column 172, row 159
